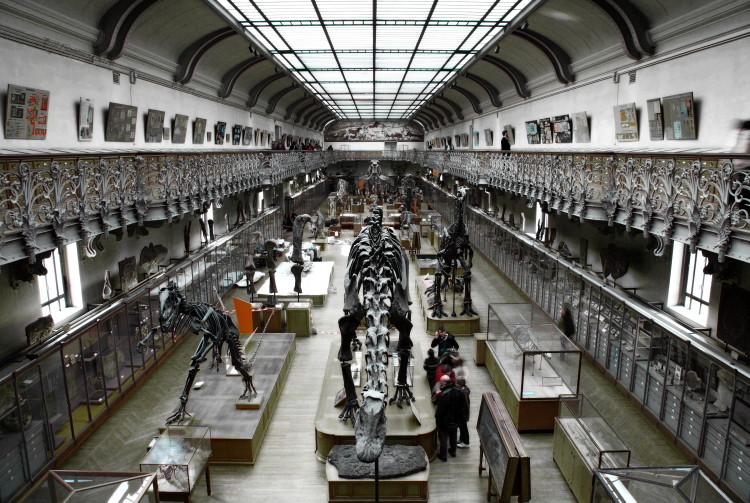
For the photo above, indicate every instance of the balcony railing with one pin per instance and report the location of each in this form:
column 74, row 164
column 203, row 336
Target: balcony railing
column 702, row 200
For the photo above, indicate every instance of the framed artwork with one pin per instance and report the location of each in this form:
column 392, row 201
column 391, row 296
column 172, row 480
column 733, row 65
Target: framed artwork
column 165, row 134
column 220, row 129
column 562, row 129
column 679, row 117
column 457, row 140
column 532, row 133
column 228, row 138
column 128, row 273
column 545, row 130
column 26, row 113
column 263, row 138
column 581, row 128
column 655, row 119
column 154, row 126
column 257, row 137
column 626, row 122
column 236, row 134
column 475, row 134
column 208, row 136
column 509, row 129
column 247, row 136
column 121, row 121
column 488, row 137
column 199, row 130
column 86, row 120
column 179, row 130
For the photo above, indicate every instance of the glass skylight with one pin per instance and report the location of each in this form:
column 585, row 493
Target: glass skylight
column 378, row 59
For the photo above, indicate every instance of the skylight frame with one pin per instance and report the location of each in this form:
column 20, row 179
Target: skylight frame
column 351, row 41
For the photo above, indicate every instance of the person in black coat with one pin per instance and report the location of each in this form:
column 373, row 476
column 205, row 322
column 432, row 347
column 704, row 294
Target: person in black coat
column 451, row 410
column 444, row 341
column 504, row 142
column 430, row 366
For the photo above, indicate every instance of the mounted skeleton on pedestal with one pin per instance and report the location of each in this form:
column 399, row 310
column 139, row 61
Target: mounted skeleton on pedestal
column 455, row 249
column 214, row 327
column 377, row 265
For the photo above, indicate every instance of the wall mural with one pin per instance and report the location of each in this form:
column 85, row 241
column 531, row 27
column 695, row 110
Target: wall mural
column 374, row 131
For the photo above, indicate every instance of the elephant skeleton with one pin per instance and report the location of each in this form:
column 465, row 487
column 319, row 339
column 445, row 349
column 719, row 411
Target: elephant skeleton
column 377, row 265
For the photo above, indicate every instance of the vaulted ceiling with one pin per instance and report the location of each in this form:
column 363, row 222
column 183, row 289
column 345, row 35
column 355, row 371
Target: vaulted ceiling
column 436, row 61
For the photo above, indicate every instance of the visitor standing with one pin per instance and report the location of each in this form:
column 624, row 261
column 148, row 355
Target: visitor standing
column 463, row 426
column 450, row 411
column 444, row 340
column 504, row 142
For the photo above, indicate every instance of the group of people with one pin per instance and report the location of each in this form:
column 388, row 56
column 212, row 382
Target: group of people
column 450, row 394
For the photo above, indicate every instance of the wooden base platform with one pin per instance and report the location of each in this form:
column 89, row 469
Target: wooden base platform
column 457, row 325
column 403, row 427
column 237, row 433
column 410, row 489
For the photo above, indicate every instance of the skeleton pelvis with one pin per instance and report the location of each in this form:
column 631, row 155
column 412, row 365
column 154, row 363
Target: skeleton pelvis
column 370, row 427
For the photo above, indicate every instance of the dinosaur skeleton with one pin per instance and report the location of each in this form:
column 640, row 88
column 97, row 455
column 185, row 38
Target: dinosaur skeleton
column 378, row 265
column 299, row 264
column 454, row 249
column 215, row 327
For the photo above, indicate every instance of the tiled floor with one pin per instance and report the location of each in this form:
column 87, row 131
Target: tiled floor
column 288, row 471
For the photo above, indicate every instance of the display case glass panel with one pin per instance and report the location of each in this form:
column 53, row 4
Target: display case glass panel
column 88, row 487
column 539, row 360
column 178, row 457
column 633, row 485
column 35, row 432
column 75, row 382
column 55, row 400
column 597, row 441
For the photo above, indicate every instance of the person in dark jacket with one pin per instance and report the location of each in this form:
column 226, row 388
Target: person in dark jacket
column 444, row 341
column 430, row 366
column 504, row 142
column 463, row 426
column 450, row 411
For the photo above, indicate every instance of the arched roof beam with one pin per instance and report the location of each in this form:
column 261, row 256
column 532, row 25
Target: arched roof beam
column 424, row 120
column 277, row 97
column 260, row 86
column 115, row 25
column 191, row 56
column 322, row 120
column 446, row 112
column 438, row 114
column 230, row 78
column 454, row 106
column 431, row 118
column 293, row 106
column 469, row 96
column 309, row 117
column 518, row 79
column 632, row 25
column 302, row 110
column 556, row 55
column 488, row 87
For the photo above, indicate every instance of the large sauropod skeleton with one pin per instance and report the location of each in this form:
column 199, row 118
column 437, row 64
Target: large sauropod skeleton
column 454, row 249
column 378, row 266
column 214, row 327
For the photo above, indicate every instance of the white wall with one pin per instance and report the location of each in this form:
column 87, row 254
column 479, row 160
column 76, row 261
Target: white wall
column 68, row 80
column 717, row 77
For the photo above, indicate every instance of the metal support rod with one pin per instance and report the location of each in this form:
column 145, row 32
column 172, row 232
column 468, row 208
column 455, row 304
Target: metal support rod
column 377, row 473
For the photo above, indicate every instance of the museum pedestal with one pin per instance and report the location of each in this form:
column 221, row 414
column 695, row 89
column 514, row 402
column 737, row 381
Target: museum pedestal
column 298, row 319
column 403, row 426
column 459, row 325
column 274, row 316
column 409, row 489
column 480, row 347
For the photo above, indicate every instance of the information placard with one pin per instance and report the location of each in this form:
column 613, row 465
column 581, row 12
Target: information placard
column 26, row 113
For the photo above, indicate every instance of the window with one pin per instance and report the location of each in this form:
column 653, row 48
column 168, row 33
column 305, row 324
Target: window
column 60, row 288
column 690, row 288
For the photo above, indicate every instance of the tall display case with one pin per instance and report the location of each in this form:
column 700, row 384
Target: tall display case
column 678, row 484
column 531, row 363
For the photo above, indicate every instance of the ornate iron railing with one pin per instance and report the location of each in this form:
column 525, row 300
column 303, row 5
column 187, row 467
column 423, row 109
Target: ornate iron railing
column 702, row 200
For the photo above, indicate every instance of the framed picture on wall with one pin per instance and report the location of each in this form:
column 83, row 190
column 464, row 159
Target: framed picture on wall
column 679, row 117
column 476, row 138
column 562, row 129
column 655, row 119
column 509, row 129
column 220, row 129
column 236, row 134
column 247, row 136
column 26, row 113
column 457, row 140
column 532, row 133
column 86, row 120
column 626, row 122
column 488, row 137
column 581, row 132
column 121, row 121
column 199, row 131
column 545, row 130
column 154, row 126
column 179, row 131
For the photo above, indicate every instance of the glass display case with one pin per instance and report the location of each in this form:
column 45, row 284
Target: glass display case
column 583, row 442
column 54, row 396
column 686, row 384
column 678, row 484
column 64, row 486
column 533, row 363
column 179, row 457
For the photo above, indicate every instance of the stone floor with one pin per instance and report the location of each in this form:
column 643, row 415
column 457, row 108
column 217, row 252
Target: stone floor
column 287, row 469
